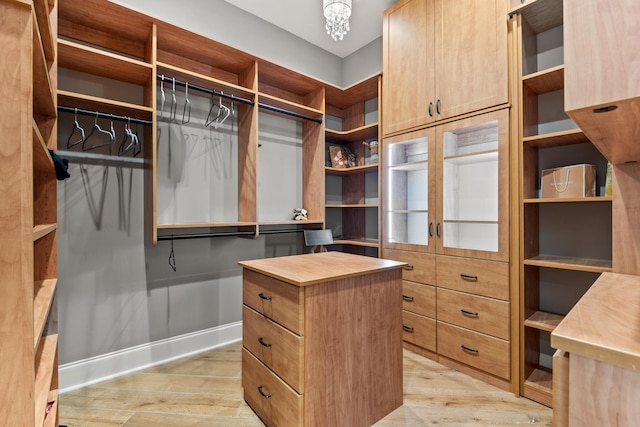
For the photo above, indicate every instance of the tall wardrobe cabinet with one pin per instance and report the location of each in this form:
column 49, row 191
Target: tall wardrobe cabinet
column 28, row 213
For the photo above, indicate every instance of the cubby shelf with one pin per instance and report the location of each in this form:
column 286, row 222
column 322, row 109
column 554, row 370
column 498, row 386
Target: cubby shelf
column 565, row 263
column 539, row 386
column 354, row 135
column 540, row 14
column 555, row 139
column 52, row 417
column 41, row 8
column 543, row 321
column 44, row 291
column 45, row 365
column 349, row 171
column 41, row 159
column 43, row 93
column 569, row 200
column 545, row 81
column 40, row 231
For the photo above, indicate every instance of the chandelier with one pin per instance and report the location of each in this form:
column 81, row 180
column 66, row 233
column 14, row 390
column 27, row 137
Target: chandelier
column 337, row 13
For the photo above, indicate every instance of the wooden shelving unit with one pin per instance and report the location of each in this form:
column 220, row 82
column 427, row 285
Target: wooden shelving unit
column 28, row 270
column 549, row 253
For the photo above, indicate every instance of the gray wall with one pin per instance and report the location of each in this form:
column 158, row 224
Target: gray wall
column 114, row 292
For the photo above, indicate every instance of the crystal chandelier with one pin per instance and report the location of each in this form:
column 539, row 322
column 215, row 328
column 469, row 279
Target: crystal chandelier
column 337, row 13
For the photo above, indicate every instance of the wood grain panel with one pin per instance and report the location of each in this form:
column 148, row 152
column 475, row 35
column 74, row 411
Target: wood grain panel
column 480, row 277
column 481, row 314
column 419, row 330
column 561, row 389
column 625, row 222
column 420, row 267
column 419, row 298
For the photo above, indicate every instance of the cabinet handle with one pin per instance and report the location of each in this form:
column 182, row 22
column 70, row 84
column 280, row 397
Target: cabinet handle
column 469, row 277
column 438, row 230
column 407, row 328
column 408, row 267
column 261, row 341
column 469, row 349
column 438, row 106
column 430, row 229
column 469, row 313
column 430, row 109
column 407, row 298
column 263, row 296
column 265, row 395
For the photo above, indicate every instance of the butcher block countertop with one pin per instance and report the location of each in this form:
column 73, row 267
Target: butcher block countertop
column 309, row 269
column 605, row 324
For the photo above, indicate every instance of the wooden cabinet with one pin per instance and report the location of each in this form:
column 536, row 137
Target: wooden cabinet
column 446, row 215
column 562, row 253
column 316, row 343
column 604, row 102
column 28, row 253
column 442, row 59
column 352, row 194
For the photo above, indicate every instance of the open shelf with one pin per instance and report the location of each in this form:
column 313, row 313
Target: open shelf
column 43, row 291
column 109, row 106
column 209, row 225
column 371, row 243
column 363, row 205
column 540, row 14
column 354, row 135
column 44, row 365
column 299, row 109
column 569, row 200
column 39, row 231
column 43, row 93
column 545, row 81
column 41, row 159
column 87, row 59
column 539, row 386
column 41, row 8
column 556, row 139
column 576, row 264
column 543, row 321
column 349, row 171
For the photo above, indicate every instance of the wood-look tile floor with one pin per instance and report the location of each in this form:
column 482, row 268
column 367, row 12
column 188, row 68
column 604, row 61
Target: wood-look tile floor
column 205, row 391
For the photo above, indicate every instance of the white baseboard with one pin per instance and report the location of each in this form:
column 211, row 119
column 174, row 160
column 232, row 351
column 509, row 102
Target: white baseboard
column 85, row 372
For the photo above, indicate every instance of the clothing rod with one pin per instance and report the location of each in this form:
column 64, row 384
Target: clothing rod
column 104, row 115
column 289, row 113
column 169, row 80
column 205, row 235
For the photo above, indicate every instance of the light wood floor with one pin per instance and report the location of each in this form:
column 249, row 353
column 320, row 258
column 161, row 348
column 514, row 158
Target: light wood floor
column 204, row 391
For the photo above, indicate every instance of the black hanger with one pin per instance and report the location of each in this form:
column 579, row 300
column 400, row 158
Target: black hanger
column 111, row 134
column 76, row 126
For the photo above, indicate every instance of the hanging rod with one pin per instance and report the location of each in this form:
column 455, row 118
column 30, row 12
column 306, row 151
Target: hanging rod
column 232, row 97
column 239, row 99
column 104, row 115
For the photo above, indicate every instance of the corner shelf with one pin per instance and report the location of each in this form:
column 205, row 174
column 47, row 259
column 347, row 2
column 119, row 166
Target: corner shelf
column 354, row 135
column 348, row 171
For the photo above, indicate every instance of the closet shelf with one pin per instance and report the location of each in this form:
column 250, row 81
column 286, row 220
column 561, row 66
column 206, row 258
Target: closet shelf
column 41, row 8
column 568, row 200
column 356, row 135
column 354, row 205
column 413, row 166
column 543, row 321
column 351, row 171
column 81, row 157
column 566, row 263
column 41, row 158
column 539, row 386
column 43, row 93
column 555, row 139
column 290, row 222
column 88, row 102
column 303, row 110
column 87, row 59
column 540, row 14
column 40, row 231
column 370, row 243
column 172, row 71
column 44, row 365
column 206, row 225
column 544, row 81
column 43, row 298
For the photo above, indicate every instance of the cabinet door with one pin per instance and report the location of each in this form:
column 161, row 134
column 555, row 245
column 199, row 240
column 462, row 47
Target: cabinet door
column 471, row 55
column 473, row 184
column 408, row 69
column 408, row 206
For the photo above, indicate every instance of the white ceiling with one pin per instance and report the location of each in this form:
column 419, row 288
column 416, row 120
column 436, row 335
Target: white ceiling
column 304, row 18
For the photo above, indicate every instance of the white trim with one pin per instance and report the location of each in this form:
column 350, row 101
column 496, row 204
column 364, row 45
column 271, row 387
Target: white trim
column 85, row 372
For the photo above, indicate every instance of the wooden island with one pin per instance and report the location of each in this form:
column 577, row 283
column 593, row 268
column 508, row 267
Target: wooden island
column 322, row 339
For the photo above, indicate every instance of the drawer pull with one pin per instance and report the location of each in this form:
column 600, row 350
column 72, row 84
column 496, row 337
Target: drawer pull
column 469, row 313
column 261, row 341
column 408, row 267
column 469, row 277
column 407, row 298
column 264, row 297
column 469, row 349
column 430, row 229
column 265, row 395
column 407, row 328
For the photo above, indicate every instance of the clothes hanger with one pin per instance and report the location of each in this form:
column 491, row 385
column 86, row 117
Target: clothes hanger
column 110, row 133
column 225, row 111
column 210, row 117
column 134, row 142
column 186, row 111
column 174, row 102
column 76, row 126
column 162, row 97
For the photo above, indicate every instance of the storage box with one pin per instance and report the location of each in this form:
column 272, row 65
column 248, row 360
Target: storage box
column 569, row 181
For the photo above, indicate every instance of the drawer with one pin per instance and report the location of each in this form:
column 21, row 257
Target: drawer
column 487, row 278
column 278, row 348
column 481, row 351
column 279, row 301
column 272, row 399
column 482, row 314
column 418, row 298
column 421, row 266
column 419, row 330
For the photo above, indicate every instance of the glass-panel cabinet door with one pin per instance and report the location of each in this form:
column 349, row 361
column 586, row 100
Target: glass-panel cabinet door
column 473, row 183
column 408, row 206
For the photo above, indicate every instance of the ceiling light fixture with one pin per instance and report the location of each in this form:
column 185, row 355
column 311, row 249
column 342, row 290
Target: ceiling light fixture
column 337, row 13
